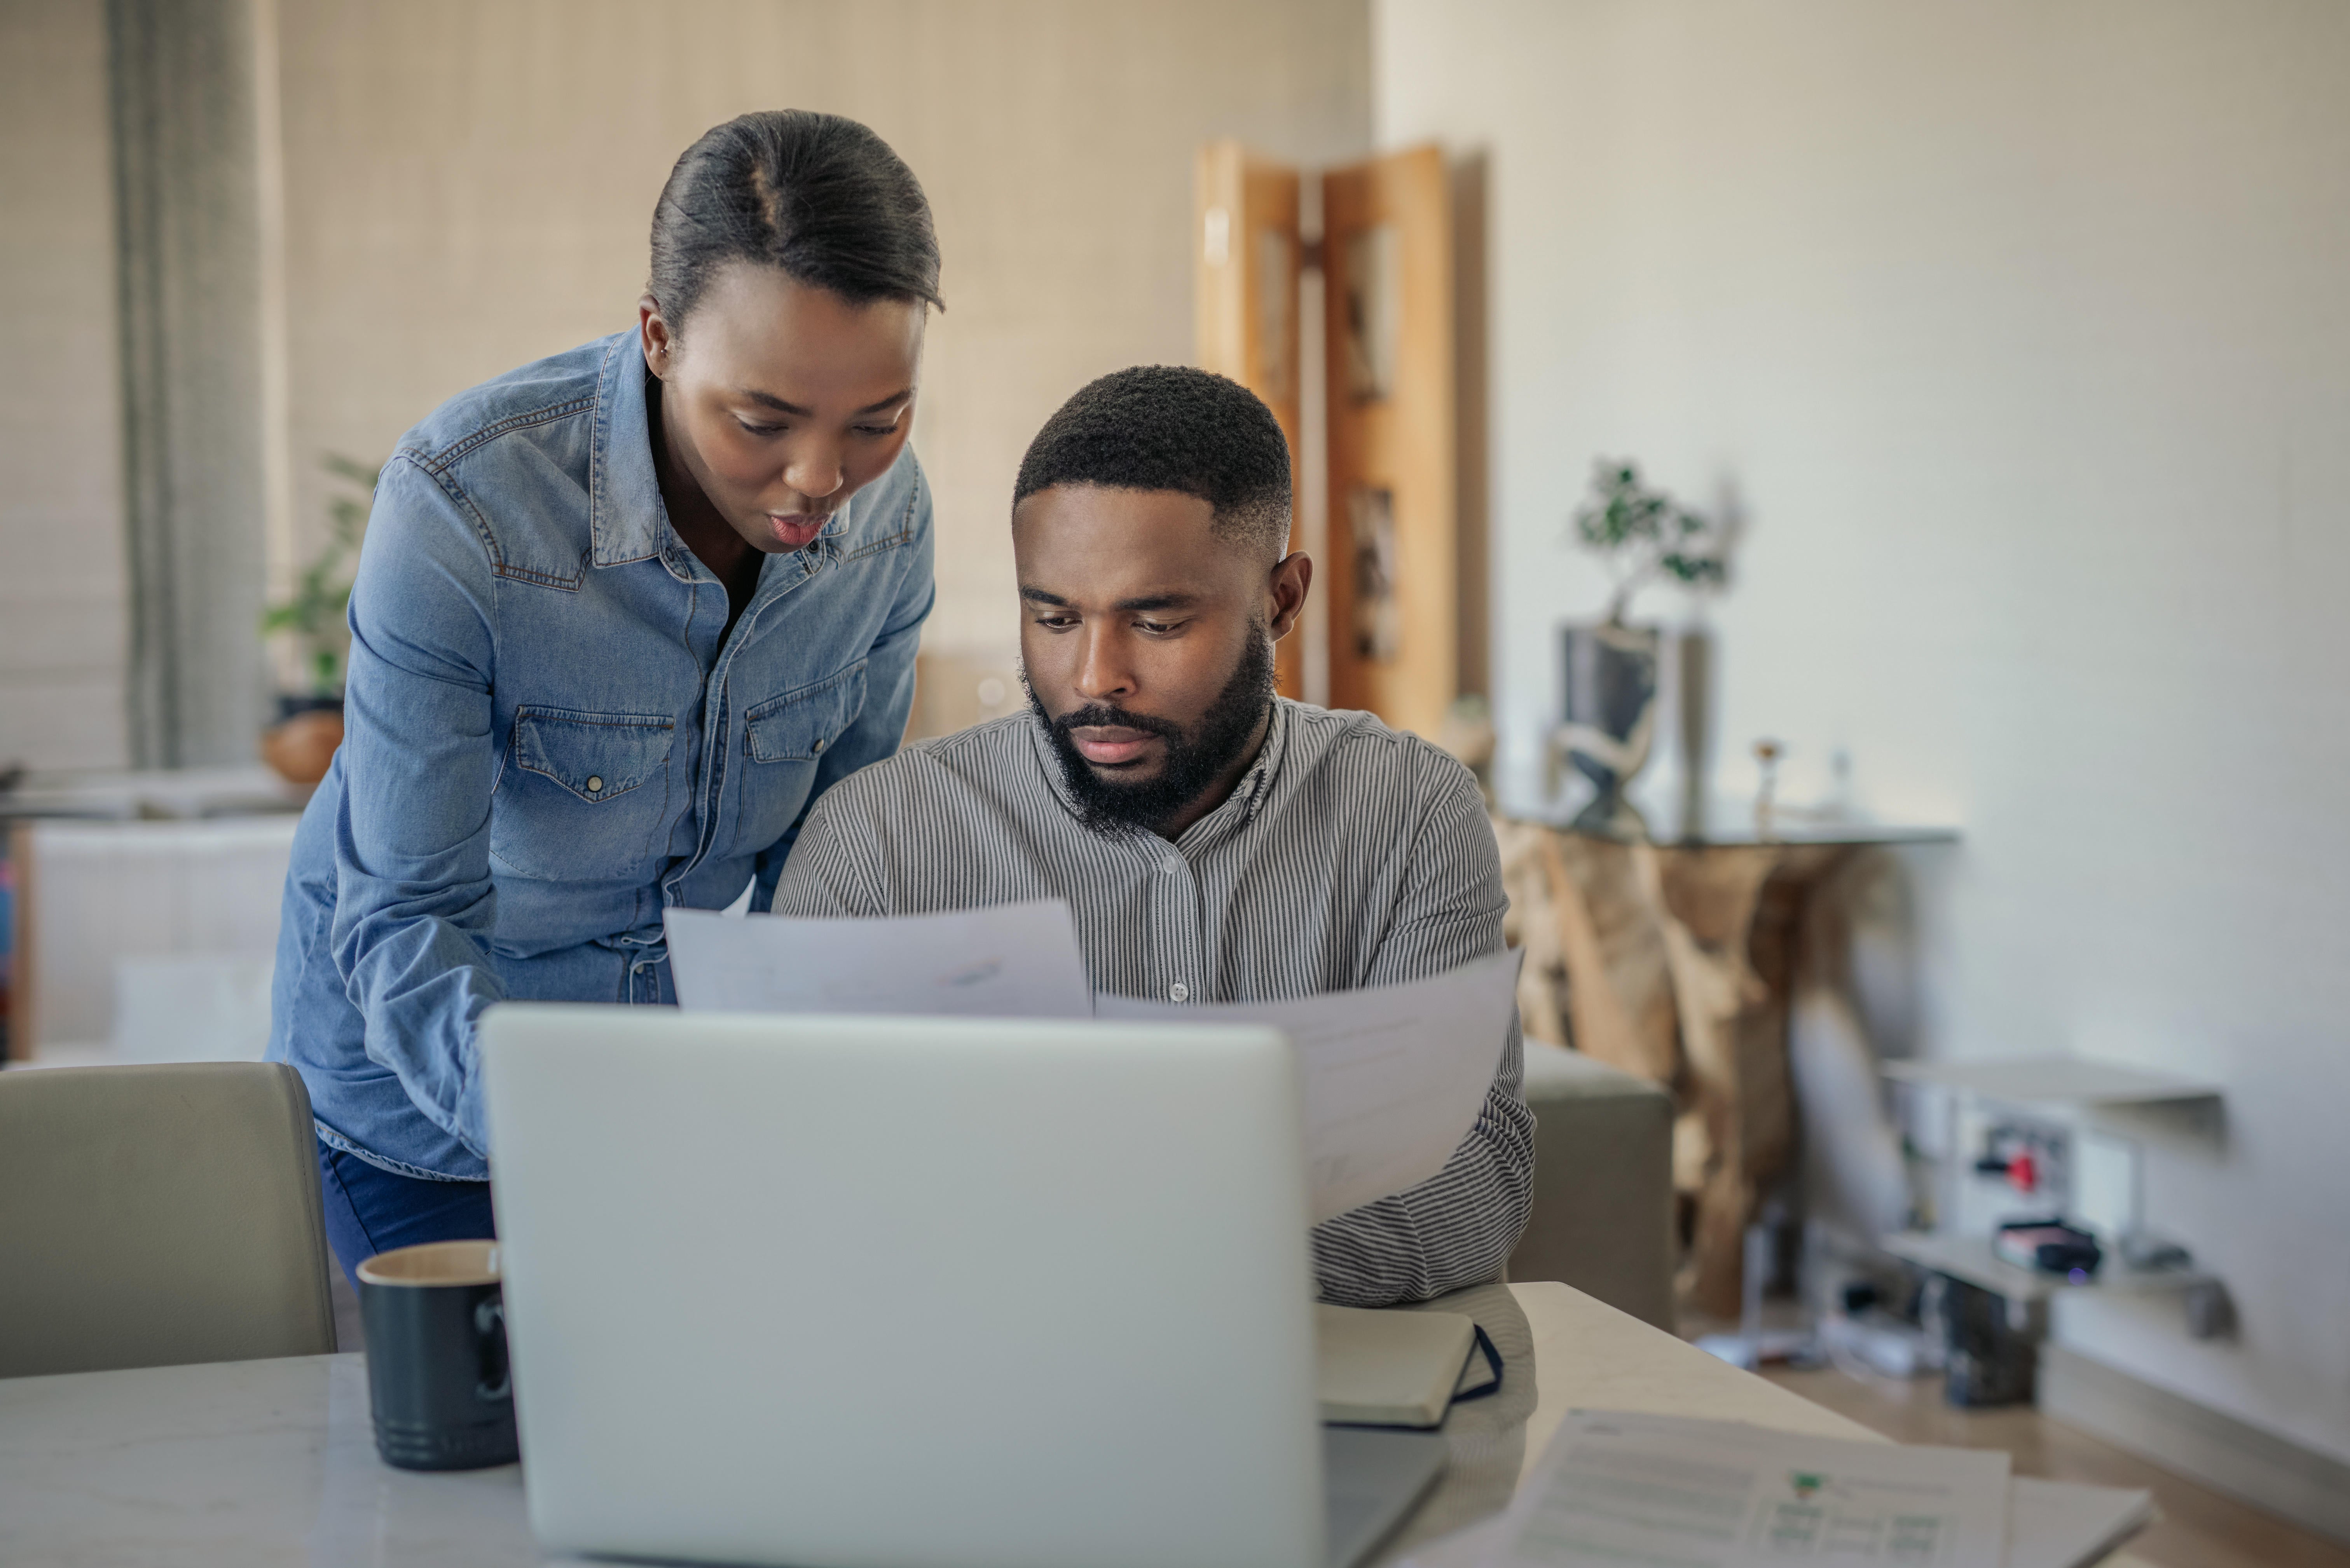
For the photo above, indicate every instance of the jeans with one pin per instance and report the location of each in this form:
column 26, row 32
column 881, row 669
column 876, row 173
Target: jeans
column 370, row 1209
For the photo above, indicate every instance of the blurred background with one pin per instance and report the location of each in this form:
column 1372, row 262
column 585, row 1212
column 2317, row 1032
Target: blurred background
column 1998, row 355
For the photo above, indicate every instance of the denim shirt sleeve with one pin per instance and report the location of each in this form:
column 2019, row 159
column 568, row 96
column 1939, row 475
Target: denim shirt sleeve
column 890, row 693
column 415, row 900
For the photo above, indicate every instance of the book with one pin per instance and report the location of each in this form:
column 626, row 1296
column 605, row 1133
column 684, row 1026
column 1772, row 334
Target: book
column 2065, row 1524
column 1389, row 1368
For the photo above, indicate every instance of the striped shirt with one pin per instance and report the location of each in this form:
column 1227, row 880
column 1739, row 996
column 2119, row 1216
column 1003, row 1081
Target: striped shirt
column 1348, row 856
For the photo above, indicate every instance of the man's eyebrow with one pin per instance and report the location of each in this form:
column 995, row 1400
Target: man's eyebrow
column 769, row 401
column 1144, row 602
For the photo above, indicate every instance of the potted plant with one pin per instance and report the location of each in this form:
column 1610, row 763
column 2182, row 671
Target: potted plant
column 309, row 725
column 1608, row 669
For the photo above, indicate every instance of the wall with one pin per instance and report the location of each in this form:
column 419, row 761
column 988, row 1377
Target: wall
column 63, row 637
column 2018, row 333
column 468, row 187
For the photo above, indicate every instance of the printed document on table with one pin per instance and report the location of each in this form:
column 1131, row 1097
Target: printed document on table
column 1394, row 1076
column 1617, row 1488
column 1012, row 960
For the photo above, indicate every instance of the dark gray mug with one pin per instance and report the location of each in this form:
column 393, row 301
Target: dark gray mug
column 436, row 1349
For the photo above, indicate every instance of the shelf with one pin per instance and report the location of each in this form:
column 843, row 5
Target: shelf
column 2053, row 1080
column 176, row 794
column 1970, row 1261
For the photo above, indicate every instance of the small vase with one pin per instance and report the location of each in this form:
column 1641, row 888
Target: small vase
column 1608, row 711
column 301, row 746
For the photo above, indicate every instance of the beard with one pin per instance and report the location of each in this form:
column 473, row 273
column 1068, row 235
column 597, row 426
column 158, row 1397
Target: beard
column 1195, row 757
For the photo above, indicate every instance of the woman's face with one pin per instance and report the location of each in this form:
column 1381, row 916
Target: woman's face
column 784, row 399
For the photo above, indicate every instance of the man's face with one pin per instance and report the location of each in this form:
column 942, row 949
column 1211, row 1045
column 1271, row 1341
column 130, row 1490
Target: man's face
column 1146, row 639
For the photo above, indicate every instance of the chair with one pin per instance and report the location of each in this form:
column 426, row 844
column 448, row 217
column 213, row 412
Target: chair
column 1603, row 1209
column 156, row 1215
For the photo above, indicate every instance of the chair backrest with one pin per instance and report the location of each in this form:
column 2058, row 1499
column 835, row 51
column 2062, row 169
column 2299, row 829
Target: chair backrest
column 156, row 1215
column 1603, row 1209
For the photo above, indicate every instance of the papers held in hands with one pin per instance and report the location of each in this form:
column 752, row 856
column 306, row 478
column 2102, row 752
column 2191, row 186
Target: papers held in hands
column 1013, row 961
column 1394, row 1075
column 1393, row 1078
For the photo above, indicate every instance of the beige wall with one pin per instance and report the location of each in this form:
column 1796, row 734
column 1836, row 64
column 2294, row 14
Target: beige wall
column 468, row 186
column 2020, row 329
column 62, row 629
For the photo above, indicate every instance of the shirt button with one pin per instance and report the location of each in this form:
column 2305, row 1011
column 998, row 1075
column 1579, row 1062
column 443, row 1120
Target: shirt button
column 1179, row 992
column 1170, row 867
column 596, row 785
column 820, row 746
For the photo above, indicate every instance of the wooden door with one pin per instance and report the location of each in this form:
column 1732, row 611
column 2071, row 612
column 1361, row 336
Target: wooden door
column 1247, row 262
column 1392, row 569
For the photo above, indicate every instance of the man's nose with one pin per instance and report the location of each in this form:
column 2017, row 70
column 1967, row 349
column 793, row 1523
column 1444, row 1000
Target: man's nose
column 1104, row 673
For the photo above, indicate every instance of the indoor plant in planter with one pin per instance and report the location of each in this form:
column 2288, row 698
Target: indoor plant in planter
column 309, row 725
column 1608, row 668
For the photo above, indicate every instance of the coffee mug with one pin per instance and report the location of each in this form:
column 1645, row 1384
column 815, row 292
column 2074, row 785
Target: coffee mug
column 436, row 1351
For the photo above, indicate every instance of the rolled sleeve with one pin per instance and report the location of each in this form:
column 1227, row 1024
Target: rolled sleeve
column 1459, row 1227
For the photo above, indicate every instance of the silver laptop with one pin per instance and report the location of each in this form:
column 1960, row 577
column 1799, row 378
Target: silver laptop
column 835, row 1292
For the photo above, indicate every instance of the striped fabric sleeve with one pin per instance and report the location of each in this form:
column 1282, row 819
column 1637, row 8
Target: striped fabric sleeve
column 824, row 878
column 1457, row 1227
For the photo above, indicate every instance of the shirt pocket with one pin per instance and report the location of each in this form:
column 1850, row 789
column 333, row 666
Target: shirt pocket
column 586, row 795
column 786, row 737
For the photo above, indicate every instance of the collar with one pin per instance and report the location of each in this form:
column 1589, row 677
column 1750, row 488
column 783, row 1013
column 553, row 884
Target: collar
column 1248, row 796
column 627, row 519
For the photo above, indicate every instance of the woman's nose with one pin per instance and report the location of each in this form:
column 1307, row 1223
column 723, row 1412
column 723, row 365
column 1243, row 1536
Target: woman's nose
column 814, row 471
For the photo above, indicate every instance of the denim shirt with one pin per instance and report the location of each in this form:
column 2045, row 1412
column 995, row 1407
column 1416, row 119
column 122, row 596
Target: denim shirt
column 546, row 744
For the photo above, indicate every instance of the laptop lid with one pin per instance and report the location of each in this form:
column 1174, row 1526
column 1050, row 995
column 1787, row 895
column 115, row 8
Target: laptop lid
column 933, row 1293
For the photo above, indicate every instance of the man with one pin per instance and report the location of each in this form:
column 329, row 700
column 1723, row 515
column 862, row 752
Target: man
column 1214, row 842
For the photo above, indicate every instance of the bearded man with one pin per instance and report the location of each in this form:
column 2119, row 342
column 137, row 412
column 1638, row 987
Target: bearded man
column 1215, row 842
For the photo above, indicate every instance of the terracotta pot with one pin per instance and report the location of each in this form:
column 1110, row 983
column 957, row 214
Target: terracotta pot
column 299, row 749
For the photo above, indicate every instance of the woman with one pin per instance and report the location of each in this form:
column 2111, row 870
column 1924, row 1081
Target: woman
column 621, row 614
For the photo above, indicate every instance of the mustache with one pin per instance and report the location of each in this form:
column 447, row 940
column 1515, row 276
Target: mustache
column 1101, row 716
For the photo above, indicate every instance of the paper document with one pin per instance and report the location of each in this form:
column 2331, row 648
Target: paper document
column 1622, row 1488
column 1013, row 960
column 2050, row 1524
column 1394, row 1076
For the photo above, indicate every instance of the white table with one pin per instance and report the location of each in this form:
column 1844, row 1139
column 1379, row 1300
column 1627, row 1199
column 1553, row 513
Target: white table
column 258, row 1463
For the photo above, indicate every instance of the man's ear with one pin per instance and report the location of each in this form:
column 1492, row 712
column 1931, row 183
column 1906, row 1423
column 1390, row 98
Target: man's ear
column 1285, row 591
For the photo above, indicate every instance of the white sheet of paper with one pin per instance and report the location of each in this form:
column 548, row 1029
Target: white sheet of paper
column 1012, row 960
column 1617, row 1488
column 1394, row 1076
column 2050, row 1524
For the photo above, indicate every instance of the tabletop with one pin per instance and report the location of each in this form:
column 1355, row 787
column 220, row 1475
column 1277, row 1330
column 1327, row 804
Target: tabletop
column 259, row 1463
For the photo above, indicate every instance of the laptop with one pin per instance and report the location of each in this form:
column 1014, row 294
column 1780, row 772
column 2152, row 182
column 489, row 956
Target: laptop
column 932, row 1293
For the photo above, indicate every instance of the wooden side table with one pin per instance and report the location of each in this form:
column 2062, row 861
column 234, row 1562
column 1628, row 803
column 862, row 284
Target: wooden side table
column 1677, row 962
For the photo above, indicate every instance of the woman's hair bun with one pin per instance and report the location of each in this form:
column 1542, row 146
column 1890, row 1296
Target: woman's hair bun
column 817, row 195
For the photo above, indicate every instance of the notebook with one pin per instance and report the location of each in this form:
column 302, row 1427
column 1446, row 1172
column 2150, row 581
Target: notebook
column 1389, row 1368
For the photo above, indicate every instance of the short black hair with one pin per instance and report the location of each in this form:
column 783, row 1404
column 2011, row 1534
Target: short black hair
column 1168, row 427
column 817, row 195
